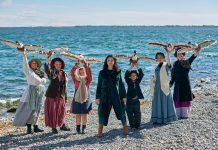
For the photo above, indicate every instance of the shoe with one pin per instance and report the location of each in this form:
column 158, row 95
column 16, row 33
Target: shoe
column 64, row 128
column 125, row 129
column 83, row 129
column 100, row 130
column 54, row 130
column 29, row 129
column 78, row 129
column 36, row 129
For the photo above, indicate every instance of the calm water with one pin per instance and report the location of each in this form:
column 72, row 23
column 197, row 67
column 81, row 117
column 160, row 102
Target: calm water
column 98, row 42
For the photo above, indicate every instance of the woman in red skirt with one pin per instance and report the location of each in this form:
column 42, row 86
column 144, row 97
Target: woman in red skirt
column 56, row 95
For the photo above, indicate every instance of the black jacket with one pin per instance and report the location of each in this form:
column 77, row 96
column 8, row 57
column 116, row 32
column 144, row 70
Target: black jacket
column 131, row 85
column 55, row 87
column 180, row 77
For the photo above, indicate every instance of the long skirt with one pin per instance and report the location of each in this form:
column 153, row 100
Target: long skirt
column 24, row 115
column 183, row 108
column 29, row 109
column 55, row 111
column 163, row 109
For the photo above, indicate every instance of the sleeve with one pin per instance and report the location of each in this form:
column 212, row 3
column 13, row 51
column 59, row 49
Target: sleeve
column 172, row 76
column 191, row 59
column 38, row 80
column 127, row 75
column 122, row 89
column 66, row 78
column 25, row 66
column 99, row 85
column 72, row 73
column 89, row 75
column 141, row 75
column 47, row 70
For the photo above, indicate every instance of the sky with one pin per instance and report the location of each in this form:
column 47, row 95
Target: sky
column 19, row 13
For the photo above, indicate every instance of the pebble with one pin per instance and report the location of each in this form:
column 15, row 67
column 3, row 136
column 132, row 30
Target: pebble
column 198, row 132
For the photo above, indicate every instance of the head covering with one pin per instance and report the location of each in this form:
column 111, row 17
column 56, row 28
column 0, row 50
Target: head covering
column 57, row 59
column 176, row 52
column 81, row 95
column 38, row 62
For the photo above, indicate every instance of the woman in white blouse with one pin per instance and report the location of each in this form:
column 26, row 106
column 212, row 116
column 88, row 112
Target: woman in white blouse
column 31, row 101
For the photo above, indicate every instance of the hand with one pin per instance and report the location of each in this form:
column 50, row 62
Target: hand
column 169, row 48
column 197, row 50
column 24, row 53
column 83, row 61
column 124, row 100
column 137, row 65
column 77, row 64
column 97, row 101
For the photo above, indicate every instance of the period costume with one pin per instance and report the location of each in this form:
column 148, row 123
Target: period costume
column 182, row 88
column 56, row 96
column 134, row 93
column 163, row 109
column 81, row 103
column 110, row 91
column 30, row 104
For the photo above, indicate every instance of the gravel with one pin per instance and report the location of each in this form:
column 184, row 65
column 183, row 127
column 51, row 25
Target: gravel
column 199, row 132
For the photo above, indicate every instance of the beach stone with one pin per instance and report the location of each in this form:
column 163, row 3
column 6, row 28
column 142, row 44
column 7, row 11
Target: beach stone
column 12, row 110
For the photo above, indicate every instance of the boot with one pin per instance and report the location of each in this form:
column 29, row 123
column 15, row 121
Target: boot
column 125, row 129
column 83, row 129
column 29, row 129
column 36, row 129
column 54, row 130
column 78, row 129
column 64, row 128
column 100, row 130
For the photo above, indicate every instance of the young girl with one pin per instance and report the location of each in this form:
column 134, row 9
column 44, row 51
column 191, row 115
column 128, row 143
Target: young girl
column 110, row 92
column 134, row 93
column 56, row 95
column 30, row 104
column 81, row 105
column 182, row 90
column 163, row 109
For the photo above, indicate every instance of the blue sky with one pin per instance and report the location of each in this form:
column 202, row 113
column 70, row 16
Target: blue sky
column 107, row 12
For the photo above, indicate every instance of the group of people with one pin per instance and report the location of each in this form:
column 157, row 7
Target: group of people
column 110, row 93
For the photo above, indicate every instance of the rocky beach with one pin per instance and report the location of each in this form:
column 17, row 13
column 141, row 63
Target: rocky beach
column 199, row 132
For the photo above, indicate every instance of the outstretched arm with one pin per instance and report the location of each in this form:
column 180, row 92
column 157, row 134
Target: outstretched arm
column 25, row 64
column 127, row 74
column 141, row 74
column 89, row 74
column 47, row 69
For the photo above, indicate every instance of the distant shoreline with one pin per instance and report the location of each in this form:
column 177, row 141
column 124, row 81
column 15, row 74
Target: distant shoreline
column 112, row 26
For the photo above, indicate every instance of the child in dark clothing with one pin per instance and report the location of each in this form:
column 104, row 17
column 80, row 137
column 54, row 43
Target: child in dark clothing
column 134, row 93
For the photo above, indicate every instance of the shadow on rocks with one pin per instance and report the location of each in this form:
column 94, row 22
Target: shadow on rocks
column 108, row 137
column 25, row 140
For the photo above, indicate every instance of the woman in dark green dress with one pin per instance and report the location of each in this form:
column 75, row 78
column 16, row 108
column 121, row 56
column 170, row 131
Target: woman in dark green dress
column 110, row 93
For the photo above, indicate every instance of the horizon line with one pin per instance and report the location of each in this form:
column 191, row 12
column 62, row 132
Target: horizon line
column 113, row 26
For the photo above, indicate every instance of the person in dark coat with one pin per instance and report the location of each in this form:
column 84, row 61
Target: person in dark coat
column 110, row 93
column 182, row 95
column 134, row 93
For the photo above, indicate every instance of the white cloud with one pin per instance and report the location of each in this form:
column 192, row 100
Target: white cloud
column 6, row 3
column 31, row 17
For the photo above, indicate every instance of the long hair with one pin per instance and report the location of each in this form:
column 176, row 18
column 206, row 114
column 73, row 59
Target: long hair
column 115, row 66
